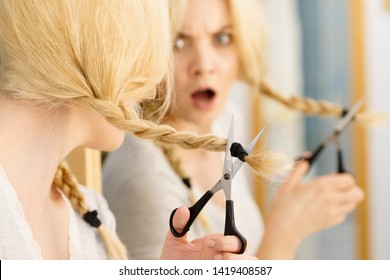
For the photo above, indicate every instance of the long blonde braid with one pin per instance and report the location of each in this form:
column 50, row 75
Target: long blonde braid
column 127, row 119
column 310, row 106
column 67, row 183
column 106, row 56
column 306, row 105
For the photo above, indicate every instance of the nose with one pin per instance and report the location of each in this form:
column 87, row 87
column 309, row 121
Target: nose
column 203, row 60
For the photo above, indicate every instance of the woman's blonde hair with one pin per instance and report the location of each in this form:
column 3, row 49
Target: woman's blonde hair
column 248, row 31
column 103, row 55
column 250, row 37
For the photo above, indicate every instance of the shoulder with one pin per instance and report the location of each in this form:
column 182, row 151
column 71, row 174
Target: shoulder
column 133, row 156
column 137, row 166
column 135, row 148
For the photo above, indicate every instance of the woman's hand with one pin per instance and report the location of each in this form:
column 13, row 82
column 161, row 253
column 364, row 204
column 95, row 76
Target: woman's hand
column 214, row 246
column 299, row 210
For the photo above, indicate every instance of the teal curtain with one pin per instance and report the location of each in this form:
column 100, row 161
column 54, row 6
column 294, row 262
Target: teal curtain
column 324, row 27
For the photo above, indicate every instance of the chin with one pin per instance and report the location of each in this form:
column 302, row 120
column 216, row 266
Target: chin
column 205, row 117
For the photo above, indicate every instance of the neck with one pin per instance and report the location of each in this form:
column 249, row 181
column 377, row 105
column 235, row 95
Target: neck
column 32, row 143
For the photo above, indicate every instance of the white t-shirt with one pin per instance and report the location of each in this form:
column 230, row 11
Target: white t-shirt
column 16, row 239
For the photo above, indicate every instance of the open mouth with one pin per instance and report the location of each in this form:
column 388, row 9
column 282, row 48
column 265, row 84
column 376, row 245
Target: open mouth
column 204, row 95
column 203, row 99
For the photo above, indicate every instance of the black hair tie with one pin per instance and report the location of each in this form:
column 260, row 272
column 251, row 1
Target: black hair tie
column 91, row 218
column 187, row 182
column 238, row 151
column 344, row 112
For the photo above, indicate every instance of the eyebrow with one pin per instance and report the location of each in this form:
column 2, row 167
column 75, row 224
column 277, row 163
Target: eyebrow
column 227, row 26
column 223, row 28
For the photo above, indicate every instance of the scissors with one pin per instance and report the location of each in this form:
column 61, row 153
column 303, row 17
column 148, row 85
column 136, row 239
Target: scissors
column 334, row 136
column 230, row 169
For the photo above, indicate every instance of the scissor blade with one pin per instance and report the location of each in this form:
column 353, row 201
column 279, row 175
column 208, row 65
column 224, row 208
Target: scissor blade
column 253, row 143
column 226, row 179
column 341, row 125
column 348, row 117
column 238, row 163
column 227, row 165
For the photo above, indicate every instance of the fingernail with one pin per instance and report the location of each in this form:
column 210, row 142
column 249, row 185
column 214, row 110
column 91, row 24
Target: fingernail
column 218, row 257
column 210, row 243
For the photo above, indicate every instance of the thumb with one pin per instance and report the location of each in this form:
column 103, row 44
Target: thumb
column 173, row 246
column 296, row 174
column 180, row 218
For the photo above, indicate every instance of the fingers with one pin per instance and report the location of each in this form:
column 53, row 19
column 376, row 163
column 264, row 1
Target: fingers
column 210, row 247
column 304, row 156
column 347, row 203
column 341, row 211
column 343, row 197
column 340, row 181
column 216, row 246
column 227, row 243
column 322, row 202
column 174, row 247
column 351, row 197
column 296, row 174
column 340, row 189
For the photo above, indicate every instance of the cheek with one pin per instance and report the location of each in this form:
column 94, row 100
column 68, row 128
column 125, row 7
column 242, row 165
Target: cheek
column 180, row 71
column 232, row 64
column 181, row 102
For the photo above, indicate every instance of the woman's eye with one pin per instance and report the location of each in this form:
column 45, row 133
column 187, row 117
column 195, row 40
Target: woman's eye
column 179, row 43
column 223, row 38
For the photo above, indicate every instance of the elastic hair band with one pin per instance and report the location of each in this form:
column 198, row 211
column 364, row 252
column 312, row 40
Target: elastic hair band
column 236, row 150
column 345, row 111
column 91, row 218
column 187, row 182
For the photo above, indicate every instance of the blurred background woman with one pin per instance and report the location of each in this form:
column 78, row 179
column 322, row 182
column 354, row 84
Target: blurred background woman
column 216, row 43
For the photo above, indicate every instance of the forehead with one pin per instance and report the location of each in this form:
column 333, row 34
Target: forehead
column 205, row 16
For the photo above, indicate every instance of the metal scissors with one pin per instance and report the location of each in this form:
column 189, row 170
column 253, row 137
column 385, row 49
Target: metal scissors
column 334, row 137
column 230, row 169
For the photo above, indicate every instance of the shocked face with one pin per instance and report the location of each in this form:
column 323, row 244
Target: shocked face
column 206, row 61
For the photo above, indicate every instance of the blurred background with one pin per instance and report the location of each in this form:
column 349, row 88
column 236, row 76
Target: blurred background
column 336, row 50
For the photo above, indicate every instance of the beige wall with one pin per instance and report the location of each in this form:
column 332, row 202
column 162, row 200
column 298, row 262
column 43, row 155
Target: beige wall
column 377, row 73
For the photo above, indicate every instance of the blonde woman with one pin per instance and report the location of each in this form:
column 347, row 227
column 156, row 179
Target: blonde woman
column 71, row 75
column 216, row 42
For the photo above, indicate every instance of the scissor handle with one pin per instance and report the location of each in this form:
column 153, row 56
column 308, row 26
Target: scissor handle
column 194, row 212
column 310, row 159
column 230, row 226
column 315, row 154
column 340, row 162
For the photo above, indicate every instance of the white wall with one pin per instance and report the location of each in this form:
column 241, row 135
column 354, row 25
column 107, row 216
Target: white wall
column 377, row 46
column 285, row 74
